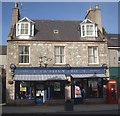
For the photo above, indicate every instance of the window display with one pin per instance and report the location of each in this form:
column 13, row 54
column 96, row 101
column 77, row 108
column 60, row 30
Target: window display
column 56, row 86
column 24, row 90
column 88, row 88
column 77, row 92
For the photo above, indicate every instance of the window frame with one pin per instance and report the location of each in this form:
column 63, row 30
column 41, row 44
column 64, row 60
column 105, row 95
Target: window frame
column 94, row 30
column 24, row 29
column 30, row 30
column 93, row 55
column 59, row 54
column 21, row 54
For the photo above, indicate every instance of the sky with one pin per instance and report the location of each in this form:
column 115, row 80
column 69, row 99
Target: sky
column 59, row 11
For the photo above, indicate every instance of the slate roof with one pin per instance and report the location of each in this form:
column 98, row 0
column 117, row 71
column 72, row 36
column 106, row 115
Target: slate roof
column 3, row 49
column 113, row 40
column 68, row 31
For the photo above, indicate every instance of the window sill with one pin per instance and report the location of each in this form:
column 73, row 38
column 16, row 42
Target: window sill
column 24, row 64
column 60, row 64
column 93, row 64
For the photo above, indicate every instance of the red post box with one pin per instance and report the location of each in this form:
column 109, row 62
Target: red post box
column 112, row 92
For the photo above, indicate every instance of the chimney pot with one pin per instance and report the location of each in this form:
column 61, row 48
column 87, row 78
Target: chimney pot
column 97, row 6
column 16, row 4
column 90, row 8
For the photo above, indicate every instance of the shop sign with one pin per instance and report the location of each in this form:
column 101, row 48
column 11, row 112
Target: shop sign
column 57, row 70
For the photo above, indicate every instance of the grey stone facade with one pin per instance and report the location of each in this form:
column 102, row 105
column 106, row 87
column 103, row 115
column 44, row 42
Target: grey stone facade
column 76, row 54
column 113, row 57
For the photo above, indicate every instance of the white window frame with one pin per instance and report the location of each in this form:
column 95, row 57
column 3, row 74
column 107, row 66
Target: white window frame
column 24, row 29
column 59, row 54
column 95, row 34
column 19, row 55
column 30, row 30
column 97, row 57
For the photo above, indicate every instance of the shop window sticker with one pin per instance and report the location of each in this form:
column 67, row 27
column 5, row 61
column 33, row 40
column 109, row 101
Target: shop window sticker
column 56, row 86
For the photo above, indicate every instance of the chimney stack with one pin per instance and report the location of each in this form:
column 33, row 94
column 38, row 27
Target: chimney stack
column 95, row 16
column 16, row 14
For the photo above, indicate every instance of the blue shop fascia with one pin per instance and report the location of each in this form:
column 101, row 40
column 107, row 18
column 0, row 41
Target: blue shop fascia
column 42, row 84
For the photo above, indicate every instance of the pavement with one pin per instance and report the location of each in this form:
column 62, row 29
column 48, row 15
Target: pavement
column 79, row 108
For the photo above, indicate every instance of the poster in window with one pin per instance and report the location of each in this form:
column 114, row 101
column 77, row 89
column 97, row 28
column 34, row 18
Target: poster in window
column 23, row 88
column 77, row 92
column 57, row 86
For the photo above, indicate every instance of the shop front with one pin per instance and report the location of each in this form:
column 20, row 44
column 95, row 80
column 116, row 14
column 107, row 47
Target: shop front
column 41, row 89
column 41, row 84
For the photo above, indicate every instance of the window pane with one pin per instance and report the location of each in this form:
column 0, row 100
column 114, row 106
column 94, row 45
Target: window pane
column 61, row 50
column 24, row 28
column 57, row 59
column 56, row 50
column 89, row 29
column 59, row 54
column 83, row 30
column 23, row 54
column 56, row 86
column 92, row 55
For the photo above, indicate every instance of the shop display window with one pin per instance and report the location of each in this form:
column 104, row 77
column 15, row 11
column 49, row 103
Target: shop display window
column 95, row 88
column 88, row 88
column 24, row 90
column 56, row 86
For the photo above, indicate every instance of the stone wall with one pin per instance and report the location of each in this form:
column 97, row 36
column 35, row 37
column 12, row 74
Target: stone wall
column 76, row 54
column 113, row 58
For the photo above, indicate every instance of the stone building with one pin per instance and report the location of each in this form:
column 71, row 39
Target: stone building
column 3, row 56
column 114, row 58
column 52, row 60
column 3, row 60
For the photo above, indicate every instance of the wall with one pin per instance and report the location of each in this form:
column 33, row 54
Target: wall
column 76, row 55
column 3, row 60
column 113, row 58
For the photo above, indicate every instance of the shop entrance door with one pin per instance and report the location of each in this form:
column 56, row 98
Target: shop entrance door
column 56, row 90
column 40, row 93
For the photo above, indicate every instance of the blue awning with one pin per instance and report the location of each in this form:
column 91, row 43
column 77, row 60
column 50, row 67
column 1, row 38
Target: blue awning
column 39, row 77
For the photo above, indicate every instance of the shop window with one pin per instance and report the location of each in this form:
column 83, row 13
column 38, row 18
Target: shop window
column 56, row 86
column 95, row 88
column 77, row 92
column 24, row 90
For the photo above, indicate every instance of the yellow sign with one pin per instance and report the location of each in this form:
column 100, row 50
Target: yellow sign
column 23, row 89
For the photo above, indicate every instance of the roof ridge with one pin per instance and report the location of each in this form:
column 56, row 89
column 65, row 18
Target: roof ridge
column 54, row 20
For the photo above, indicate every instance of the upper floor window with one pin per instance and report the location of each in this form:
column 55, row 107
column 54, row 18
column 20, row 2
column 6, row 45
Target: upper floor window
column 93, row 55
column 88, row 29
column 24, row 54
column 25, row 28
column 118, row 55
column 59, row 54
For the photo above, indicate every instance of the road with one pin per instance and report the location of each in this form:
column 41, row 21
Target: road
column 69, row 113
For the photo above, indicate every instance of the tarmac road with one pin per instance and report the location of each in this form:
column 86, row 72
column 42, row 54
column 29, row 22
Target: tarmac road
column 91, row 113
column 82, row 109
